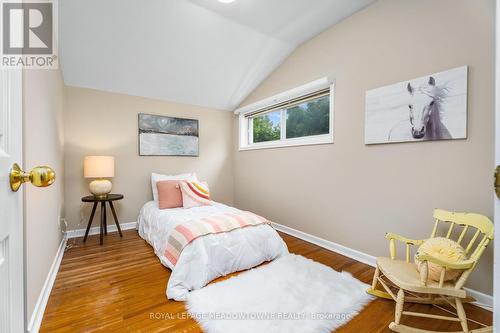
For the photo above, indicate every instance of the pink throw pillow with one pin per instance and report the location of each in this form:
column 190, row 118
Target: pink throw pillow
column 169, row 194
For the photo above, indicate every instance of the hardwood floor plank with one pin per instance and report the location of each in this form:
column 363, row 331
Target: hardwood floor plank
column 120, row 287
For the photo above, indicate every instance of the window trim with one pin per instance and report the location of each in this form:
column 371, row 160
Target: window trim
column 245, row 125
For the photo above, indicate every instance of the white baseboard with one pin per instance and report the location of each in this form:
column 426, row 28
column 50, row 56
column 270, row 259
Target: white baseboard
column 95, row 230
column 482, row 300
column 41, row 303
column 326, row 244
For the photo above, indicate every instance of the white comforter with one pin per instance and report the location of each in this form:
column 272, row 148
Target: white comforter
column 210, row 256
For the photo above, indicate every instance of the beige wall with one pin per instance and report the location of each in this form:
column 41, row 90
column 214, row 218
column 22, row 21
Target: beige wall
column 105, row 123
column 350, row 193
column 43, row 99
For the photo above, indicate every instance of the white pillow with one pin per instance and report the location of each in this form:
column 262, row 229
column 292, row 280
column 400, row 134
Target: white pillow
column 156, row 177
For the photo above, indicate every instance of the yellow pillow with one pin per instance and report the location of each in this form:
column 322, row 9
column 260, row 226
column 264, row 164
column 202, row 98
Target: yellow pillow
column 445, row 249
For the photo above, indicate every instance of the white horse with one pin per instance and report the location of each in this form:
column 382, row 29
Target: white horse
column 425, row 108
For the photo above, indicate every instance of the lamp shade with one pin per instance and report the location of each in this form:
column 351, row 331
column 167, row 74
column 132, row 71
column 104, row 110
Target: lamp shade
column 99, row 167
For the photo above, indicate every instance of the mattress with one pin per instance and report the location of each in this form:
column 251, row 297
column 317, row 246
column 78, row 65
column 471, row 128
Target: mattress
column 210, row 256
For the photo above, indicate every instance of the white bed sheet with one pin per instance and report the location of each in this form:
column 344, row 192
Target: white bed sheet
column 210, row 256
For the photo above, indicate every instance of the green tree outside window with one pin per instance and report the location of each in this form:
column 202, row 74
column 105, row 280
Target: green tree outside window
column 265, row 130
column 311, row 118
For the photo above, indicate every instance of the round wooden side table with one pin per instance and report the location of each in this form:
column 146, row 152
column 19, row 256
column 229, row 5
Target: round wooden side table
column 103, row 227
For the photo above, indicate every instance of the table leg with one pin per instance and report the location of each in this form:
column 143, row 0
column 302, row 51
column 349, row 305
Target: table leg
column 116, row 219
column 103, row 212
column 90, row 222
column 105, row 220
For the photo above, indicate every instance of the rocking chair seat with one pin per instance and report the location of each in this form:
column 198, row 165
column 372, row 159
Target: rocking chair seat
column 405, row 276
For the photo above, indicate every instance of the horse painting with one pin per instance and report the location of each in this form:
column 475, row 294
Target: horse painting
column 432, row 107
column 424, row 114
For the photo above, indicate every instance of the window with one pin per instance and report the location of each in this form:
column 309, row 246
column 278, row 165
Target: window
column 287, row 120
column 266, row 127
column 309, row 118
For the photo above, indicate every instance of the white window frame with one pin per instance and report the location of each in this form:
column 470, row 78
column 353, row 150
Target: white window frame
column 245, row 125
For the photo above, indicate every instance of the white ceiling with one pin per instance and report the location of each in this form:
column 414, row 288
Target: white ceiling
column 199, row 52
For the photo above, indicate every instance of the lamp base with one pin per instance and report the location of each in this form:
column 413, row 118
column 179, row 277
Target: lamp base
column 100, row 188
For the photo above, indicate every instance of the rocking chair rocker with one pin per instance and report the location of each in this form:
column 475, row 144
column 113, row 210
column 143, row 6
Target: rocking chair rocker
column 415, row 287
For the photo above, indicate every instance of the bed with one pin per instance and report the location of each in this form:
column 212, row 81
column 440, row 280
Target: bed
column 211, row 256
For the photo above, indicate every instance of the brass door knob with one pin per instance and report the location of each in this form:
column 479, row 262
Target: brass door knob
column 40, row 176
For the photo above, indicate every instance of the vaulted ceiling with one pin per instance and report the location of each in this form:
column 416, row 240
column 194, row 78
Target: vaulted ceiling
column 200, row 52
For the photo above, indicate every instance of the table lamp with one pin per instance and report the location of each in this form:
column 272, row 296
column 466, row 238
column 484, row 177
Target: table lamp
column 100, row 167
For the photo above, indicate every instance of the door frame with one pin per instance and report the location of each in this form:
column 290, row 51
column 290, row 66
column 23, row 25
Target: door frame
column 13, row 94
column 496, row 201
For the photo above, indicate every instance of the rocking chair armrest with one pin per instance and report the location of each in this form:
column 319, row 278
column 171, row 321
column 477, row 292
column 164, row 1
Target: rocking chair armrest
column 464, row 264
column 403, row 239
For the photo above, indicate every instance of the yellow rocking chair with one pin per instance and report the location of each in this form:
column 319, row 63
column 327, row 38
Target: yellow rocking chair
column 402, row 282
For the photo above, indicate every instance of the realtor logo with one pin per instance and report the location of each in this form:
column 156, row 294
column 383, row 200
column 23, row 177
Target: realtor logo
column 28, row 33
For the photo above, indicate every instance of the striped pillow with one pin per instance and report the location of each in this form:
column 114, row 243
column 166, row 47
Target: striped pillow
column 195, row 194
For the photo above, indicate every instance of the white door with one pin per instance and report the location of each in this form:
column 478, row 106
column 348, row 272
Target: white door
column 11, row 218
column 496, row 294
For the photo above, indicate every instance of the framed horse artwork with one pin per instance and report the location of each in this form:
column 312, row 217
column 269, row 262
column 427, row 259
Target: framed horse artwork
column 431, row 107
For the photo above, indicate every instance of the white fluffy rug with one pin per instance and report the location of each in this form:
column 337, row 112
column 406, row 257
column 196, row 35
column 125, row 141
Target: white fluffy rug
column 290, row 294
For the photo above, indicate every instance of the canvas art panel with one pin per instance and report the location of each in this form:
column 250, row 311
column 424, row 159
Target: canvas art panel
column 167, row 136
column 431, row 107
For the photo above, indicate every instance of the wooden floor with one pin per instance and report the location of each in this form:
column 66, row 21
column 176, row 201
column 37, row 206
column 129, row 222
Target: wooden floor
column 120, row 287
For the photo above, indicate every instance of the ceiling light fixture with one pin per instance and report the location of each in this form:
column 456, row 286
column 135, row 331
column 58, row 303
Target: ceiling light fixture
column 226, row 1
